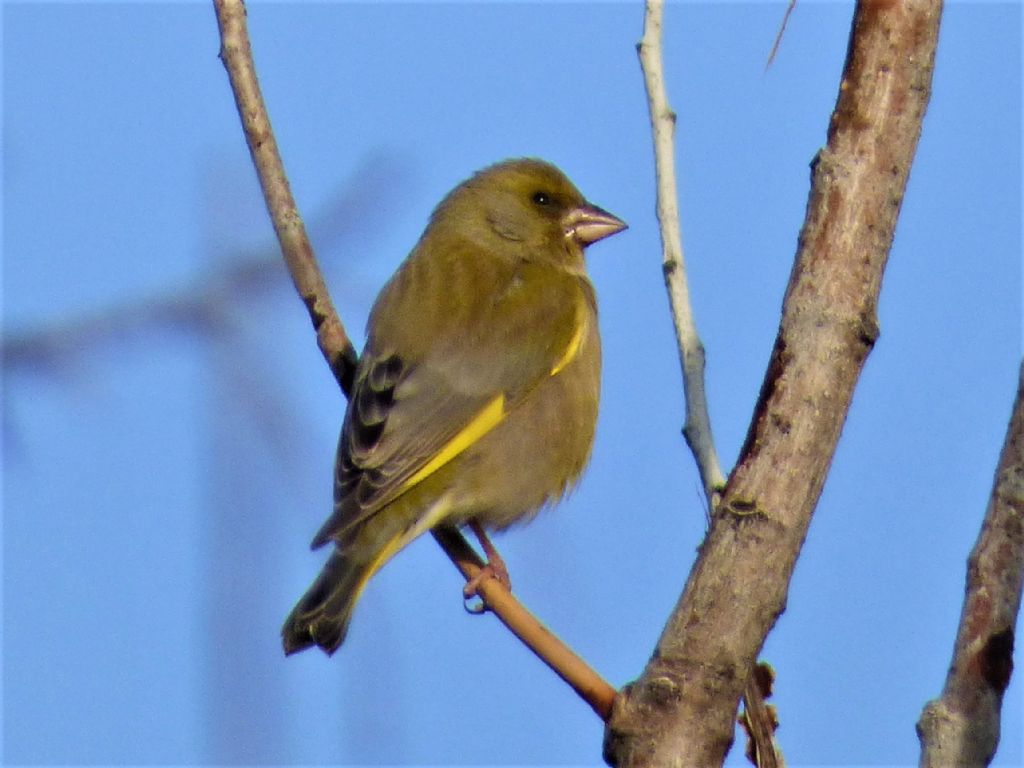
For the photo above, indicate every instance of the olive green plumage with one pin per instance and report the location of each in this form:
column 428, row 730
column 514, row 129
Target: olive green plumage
column 476, row 394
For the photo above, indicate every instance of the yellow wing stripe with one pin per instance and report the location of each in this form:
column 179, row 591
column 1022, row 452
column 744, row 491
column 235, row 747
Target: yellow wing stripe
column 488, row 418
column 573, row 348
column 435, row 514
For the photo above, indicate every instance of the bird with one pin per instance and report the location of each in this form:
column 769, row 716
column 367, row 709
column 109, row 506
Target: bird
column 475, row 399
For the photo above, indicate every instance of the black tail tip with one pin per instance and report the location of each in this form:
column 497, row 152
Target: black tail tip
column 328, row 638
column 294, row 644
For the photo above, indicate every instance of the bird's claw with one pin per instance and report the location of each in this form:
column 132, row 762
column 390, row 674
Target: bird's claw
column 493, row 570
column 474, row 608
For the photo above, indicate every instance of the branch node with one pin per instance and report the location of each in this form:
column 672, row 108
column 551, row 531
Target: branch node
column 997, row 660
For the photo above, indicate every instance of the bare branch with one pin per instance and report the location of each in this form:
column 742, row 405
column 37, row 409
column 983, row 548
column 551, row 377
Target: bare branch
column 590, row 686
column 236, row 53
column 697, row 429
column 961, row 727
column 683, row 706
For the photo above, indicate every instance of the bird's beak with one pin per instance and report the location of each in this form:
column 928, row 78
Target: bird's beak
column 587, row 224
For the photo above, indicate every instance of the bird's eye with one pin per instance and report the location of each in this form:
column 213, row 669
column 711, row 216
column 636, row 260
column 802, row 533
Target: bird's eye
column 541, row 198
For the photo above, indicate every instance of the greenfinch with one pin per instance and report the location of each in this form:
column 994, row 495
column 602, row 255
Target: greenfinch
column 475, row 399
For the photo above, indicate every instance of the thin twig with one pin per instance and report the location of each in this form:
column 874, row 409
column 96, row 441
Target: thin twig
column 781, row 32
column 697, row 429
column 236, row 54
column 961, row 727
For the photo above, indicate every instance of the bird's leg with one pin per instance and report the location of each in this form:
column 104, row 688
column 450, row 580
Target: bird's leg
column 495, row 567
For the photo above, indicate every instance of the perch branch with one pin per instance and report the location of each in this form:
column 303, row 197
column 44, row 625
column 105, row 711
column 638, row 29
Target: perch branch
column 590, row 686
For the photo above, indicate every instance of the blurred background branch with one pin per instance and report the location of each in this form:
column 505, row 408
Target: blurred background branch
column 210, row 304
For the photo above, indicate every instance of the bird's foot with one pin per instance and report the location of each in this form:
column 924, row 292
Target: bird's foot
column 494, row 569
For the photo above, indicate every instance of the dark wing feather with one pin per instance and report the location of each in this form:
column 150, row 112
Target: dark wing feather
column 430, row 368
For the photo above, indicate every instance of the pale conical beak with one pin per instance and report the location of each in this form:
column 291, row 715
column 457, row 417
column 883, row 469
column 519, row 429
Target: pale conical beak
column 587, row 224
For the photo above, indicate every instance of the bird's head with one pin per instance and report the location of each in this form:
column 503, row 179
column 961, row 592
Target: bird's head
column 528, row 208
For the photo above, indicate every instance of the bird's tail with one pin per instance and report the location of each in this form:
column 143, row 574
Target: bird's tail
column 322, row 615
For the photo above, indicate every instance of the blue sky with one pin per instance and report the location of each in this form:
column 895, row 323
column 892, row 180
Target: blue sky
column 164, row 472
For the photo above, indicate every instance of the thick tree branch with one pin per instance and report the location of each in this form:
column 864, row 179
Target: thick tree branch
column 961, row 727
column 682, row 709
column 697, row 429
column 236, row 53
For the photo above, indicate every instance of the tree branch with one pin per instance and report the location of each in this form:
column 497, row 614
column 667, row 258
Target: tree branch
column 590, row 686
column 236, row 53
column 961, row 727
column 697, row 429
column 683, row 706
